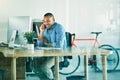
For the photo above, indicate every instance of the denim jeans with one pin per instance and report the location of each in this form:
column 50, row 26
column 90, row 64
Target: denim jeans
column 42, row 67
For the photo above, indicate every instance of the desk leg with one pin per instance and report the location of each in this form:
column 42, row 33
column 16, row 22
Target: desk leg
column 13, row 69
column 104, row 65
column 57, row 68
column 86, row 66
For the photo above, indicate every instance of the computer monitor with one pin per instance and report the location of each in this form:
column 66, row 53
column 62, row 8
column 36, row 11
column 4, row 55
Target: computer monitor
column 20, row 23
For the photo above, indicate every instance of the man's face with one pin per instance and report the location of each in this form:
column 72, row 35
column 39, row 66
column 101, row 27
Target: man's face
column 48, row 21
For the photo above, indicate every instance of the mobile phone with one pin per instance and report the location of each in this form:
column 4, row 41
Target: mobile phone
column 44, row 26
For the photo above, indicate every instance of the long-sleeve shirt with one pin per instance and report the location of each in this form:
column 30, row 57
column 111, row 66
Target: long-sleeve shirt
column 55, row 35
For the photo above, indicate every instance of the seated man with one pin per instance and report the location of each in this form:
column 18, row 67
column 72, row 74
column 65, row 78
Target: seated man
column 52, row 34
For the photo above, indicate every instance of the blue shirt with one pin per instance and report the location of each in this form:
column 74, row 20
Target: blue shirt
column 55, row 35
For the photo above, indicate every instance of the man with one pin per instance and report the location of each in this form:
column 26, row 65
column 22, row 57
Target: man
column 52, row 34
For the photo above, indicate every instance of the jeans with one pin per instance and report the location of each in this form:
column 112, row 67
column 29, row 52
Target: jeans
column 42, row 67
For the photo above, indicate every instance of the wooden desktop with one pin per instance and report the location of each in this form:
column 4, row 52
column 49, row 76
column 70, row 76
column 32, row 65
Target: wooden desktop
column 23, row 53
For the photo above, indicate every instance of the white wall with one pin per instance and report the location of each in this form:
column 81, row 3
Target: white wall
column 79, row 16
column 33, row 8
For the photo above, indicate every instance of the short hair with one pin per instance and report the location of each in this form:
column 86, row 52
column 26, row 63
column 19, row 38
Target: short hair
column 49, row 14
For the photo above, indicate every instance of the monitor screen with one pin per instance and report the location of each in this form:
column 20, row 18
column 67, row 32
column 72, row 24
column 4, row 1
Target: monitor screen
column 20, row 23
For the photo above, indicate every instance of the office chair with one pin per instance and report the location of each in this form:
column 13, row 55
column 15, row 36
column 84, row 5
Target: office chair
column 66, row 63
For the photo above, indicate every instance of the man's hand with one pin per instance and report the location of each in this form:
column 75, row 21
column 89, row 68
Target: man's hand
column 46, row 43
column 45, row 40
column 42, row 28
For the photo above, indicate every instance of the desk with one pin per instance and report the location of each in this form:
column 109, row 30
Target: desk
column 16, row 53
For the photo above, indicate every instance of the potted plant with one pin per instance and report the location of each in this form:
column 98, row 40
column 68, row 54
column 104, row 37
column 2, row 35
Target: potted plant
column 30, row 39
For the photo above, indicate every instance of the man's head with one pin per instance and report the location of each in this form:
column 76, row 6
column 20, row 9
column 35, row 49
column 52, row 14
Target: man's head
column 48, row 20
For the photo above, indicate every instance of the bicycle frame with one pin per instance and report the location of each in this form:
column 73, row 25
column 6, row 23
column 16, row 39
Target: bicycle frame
column 85, row 39
column 92, row 59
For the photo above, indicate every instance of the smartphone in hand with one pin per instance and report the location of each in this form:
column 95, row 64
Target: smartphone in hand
column 42, row 27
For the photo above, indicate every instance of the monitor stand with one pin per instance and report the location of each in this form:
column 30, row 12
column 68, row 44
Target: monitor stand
column 12, row 39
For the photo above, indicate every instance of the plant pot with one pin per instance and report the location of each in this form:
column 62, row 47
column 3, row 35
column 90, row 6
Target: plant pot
column 30, row 46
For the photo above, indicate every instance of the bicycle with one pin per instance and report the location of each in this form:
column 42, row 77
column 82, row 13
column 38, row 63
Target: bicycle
column 112, row 60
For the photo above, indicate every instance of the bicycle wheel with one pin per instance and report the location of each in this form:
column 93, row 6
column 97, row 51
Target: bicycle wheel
column 112, row 59
column 74, row 63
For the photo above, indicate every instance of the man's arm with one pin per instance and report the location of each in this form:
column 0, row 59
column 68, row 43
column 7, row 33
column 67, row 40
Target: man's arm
column 42, row 29
column 40, row 37
column 46, row 42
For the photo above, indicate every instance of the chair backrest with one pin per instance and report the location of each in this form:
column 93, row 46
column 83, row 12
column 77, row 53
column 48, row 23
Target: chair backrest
column 68, row 39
